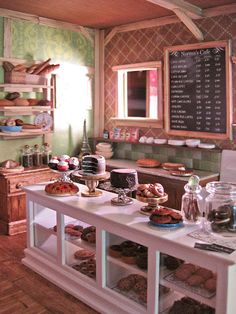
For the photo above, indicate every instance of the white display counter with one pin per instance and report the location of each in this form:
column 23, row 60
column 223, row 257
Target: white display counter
column 50, row 252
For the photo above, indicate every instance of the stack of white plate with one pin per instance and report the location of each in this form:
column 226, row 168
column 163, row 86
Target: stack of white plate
column 104, row 149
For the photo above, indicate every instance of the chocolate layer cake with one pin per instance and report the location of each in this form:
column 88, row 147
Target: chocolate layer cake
column 93, row 164
column 124, row 178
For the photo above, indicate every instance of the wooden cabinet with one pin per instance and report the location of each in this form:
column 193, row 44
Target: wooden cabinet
column 12, row 198
column 51, row 252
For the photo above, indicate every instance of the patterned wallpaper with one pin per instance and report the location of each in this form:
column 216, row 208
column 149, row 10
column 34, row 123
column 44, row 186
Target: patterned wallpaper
column 70, row 49
column 148, row 45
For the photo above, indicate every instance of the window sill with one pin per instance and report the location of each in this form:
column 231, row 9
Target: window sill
column 139, row 122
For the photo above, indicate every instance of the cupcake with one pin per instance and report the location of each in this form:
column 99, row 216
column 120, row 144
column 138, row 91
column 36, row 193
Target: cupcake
column 53, row 163
column 64, row 158
column 73, row 163
column 62, row 166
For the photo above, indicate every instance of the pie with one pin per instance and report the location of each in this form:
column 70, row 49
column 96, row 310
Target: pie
column 172, row 166
column 61, row 188
column 149, row 163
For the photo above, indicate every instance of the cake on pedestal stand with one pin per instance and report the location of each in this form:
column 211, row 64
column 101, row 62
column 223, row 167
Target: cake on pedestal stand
column 152, row 203
column 91, row 181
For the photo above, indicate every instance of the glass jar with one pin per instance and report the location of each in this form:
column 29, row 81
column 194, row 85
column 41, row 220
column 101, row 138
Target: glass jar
column 221, row 207
column 192, row 201
column 27, row 157
column 37, row 156
column 46, row 153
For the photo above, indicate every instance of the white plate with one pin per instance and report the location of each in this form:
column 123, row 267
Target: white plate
column 193, row 142
column 160, row 140
column 207, row 146
column 176, row 142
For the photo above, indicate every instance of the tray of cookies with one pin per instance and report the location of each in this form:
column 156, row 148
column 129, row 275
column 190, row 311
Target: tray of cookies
column 196, row 279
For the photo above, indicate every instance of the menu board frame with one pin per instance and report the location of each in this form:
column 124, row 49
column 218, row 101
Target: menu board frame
column 199, row 47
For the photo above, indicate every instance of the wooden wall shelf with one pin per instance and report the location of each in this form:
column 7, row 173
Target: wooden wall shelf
column 101, row 139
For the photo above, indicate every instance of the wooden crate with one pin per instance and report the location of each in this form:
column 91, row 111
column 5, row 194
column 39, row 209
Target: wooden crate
column 24, row 78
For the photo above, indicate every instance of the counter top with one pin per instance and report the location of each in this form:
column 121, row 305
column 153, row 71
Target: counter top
column 123, row 163
column 99, row 211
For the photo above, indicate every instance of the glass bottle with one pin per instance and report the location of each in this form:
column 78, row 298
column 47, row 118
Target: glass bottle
column 221, row 207
column 27, row 157
column 192, row 201
column 37, row 156
column 46, row 154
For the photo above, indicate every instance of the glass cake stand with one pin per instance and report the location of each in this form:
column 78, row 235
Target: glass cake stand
column 122, row 199
column 64, row 175
column 91, row 181
column 152, row 203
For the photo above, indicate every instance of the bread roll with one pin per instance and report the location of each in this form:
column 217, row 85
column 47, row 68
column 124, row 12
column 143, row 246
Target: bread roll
column 21, row 102
column 6, row 103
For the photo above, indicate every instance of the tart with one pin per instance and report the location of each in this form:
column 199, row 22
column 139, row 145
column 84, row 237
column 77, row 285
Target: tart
column 61, row 188
column 84, row 254
column 148, row 163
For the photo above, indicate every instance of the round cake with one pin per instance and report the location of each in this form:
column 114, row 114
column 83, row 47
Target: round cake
column 93, row 165
column 124, row 178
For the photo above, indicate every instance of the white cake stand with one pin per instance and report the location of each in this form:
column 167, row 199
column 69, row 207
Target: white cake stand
column 91, row 181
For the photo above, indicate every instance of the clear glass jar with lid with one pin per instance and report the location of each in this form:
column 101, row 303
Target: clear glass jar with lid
column 46, row 153
column 220, row 207
column 27, row 157
column 37, row 156
column 192, row 201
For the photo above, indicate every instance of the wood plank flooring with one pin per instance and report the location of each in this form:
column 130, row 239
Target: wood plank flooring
column 22, row 291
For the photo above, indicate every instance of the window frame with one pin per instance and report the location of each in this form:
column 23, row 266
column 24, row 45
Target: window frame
column 121, row 96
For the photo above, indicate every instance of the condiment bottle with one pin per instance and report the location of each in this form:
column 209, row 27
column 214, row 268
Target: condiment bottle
column 192, row 201
column 37, row 156
column 27, row 157
column 47, row 154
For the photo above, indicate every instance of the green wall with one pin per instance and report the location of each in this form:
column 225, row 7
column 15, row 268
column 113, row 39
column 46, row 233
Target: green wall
column 74, row 52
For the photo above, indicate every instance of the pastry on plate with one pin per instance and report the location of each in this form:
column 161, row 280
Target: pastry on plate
column 148, row 163
column 61, row 188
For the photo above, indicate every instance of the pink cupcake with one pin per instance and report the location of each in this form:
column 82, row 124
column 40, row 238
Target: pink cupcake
column 73, row 163
column 64, row 158
column 62, row 166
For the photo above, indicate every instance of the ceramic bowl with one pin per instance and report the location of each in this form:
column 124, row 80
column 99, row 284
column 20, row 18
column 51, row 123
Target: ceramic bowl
column 12, row 128
column 176, row 142
column 193, row 142
column 160, row 140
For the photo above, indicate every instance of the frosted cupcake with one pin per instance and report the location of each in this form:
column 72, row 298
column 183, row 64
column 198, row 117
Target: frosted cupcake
column 73, row 163
column 62, row 166
column 53, row 163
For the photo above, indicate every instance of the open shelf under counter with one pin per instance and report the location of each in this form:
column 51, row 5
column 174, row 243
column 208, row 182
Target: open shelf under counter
column 134, row 269
column 194, row 293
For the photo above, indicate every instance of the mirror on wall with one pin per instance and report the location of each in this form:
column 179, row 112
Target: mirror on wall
column 139, row 91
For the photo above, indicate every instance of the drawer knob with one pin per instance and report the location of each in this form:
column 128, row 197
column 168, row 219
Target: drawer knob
column 19, row 185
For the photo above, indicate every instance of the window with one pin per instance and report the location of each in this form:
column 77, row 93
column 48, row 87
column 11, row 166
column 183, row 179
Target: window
column 139, row 94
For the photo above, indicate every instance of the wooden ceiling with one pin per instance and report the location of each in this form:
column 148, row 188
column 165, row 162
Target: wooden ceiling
column 101, row 13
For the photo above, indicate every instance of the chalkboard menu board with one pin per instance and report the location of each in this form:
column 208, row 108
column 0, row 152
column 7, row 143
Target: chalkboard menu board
column 197, row 90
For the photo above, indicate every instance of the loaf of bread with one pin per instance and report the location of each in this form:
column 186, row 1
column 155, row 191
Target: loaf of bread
column 9, row 164
column 41, row 66
column 21, row 102
column 20, row 68
column 12, row 96
column 6, row 103
column 48, row 69
column 7, row 66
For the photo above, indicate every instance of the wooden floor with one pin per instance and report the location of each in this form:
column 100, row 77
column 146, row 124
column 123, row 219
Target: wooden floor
column 23, row 291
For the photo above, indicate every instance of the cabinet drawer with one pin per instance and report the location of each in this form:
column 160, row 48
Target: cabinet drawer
column 15, row 184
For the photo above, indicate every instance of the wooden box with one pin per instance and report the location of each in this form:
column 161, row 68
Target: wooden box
column 24, row 78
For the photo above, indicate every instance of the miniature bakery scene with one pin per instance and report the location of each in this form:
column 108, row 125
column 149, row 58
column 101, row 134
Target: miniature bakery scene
column 118, row 157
